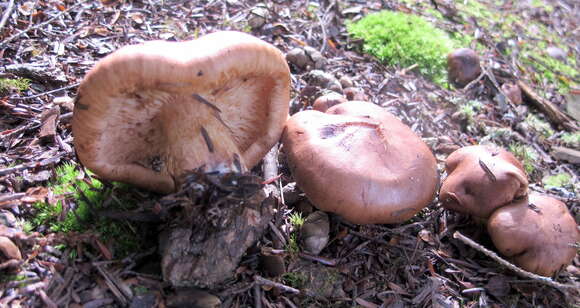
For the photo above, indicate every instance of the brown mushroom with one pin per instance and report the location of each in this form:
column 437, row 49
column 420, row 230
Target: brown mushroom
column 537, row 233
column 480, row 179
column 361, row 162
column 463, row 67
column 147, row 114
column 328, row 100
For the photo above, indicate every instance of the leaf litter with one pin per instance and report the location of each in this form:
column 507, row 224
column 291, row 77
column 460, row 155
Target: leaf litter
column 419, row 263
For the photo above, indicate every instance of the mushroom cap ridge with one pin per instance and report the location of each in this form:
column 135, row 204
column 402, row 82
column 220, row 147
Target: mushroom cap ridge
column 361, row 162
column 227, row 79
column 538, row 236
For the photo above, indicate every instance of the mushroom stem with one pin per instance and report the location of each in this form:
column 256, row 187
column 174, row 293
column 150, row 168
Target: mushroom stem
column 202, row 142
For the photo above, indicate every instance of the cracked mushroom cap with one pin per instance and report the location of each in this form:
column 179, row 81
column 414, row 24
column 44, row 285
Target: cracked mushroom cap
column 480, row 179
column 148, row 114
column 361, row 162
column 536, row 232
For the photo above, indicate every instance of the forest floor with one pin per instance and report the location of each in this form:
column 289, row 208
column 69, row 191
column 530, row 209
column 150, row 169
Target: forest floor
column 80, row 243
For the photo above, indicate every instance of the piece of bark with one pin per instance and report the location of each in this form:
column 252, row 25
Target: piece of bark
column 49, row 120
column 567, row 154
column 205, row 242
column 554, row 114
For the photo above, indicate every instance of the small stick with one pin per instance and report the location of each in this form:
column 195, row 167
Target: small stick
column 74, row 85
column 266, row 282
column 487, row 170
column 257, row 296
column 11, row 196
column 270, row 171
column 523, row 273
column 7, row 14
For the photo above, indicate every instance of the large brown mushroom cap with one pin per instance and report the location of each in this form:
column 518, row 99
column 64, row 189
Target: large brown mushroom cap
column 148, row 114
column 480, row 179
column 537, row 233
column 361, row 162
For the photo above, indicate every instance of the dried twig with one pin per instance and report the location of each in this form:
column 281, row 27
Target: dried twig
column 74, row 85
column 523, row 273
column 553, row 113
column 270, row 170
column 487, row 171
column 11, row 196
column 282, row 287
column 257, row 296
column 7, row 14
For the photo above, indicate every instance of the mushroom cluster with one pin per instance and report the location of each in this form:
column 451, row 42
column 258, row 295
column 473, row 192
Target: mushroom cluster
column 361, row 162
column 148, row 114
column 536, row 231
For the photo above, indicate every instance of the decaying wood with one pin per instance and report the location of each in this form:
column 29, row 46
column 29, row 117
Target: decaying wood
column 203, row 245
column 556, row 116
column 523, row 273
column 49, row 119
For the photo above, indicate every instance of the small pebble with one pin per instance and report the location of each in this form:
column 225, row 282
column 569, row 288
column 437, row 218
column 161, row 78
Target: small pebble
column 346, row 82
column 314, row 232
column 328, row 100
column 323, row 80
column 8, row 219
column 355, row 94
column 8, row 249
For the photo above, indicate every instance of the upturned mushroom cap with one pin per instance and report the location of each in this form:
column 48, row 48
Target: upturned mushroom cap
column 361, row 162
column 537, row 233
column 481, row 179
column 463, row 67
column 147, row 114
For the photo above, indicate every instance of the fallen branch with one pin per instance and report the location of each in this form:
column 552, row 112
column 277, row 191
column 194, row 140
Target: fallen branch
column 553, row 113
column 523, row 273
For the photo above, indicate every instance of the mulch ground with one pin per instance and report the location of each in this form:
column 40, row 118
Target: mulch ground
column 418, row 263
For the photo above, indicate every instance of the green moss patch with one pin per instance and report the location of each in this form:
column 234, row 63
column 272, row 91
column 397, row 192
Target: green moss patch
column 404, row 40
column 558, row 180
column 18, row 84
column 80, row 197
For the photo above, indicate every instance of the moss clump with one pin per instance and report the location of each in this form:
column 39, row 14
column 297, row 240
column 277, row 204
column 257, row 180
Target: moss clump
column 542, row 127
column 18, row 84
column 296, row 220
column 83, row 199
column 571, row 139
column 549, row 69
column 403, row 40
column 558, row 180
column 295, row 279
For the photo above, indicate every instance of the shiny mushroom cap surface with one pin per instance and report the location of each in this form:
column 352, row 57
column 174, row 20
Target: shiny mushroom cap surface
column 537, row 233
column 148, row 114
column 361, row 162
column 463, row 67
column 481, row 179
